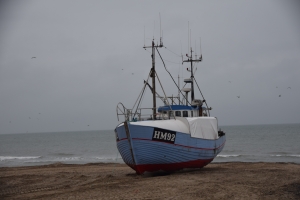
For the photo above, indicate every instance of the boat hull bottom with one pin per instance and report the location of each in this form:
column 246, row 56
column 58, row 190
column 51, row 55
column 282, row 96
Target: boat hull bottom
column 140, row 169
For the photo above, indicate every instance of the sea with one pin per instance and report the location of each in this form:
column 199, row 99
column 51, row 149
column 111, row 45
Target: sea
column 248, row 143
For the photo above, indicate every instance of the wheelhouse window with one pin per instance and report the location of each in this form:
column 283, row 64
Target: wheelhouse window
column 171, row 114
column 178, row 113
column 185, row 113
column 192, row 114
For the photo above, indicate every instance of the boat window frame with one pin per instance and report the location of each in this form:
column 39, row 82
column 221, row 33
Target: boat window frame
column 178, row 112
column 171, row 114
column 185, row 113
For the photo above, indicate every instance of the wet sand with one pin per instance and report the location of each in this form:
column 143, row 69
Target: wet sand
column 118, row 181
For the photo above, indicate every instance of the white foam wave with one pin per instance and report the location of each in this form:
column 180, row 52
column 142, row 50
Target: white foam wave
column 105, row 158
column 278, row 155
column 3, row 158
column 226, row 156
column 68, row 158
column 56, row 159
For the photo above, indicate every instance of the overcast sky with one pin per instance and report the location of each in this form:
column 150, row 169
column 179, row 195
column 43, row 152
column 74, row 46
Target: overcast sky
column 89, row 56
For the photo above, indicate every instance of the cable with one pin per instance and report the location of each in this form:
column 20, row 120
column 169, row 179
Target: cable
column 202, row 96
column 140, row 97
column 165, row 94
column 173, row 52
column 172, row 62
column 172, row 76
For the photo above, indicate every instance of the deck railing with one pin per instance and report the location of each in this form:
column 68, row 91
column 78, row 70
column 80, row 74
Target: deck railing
column 140, row 114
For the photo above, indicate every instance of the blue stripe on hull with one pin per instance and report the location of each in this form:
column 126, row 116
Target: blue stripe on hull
column 148, row 152
column 124, row 149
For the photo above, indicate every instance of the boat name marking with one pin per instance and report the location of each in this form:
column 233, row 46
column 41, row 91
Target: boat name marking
column 164, row 135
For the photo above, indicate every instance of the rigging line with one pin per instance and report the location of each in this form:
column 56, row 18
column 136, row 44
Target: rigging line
column 164, row 93
column 184, row 85
column 139, row 101
column 172, row 62
column 140, row 92
column 140, row 97
column 157, row 95
column 171, row 75
column 202, row 96
column 195, row 67
column 172, row 52
column 147, row 50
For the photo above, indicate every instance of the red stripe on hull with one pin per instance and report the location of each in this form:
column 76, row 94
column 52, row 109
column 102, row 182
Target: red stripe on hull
column 140, row 169
column 180, row 144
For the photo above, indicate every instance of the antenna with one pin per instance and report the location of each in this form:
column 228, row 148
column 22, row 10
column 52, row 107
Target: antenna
column 188, row 37
column 160, row 31
column 152, row 72
column 159, row 25
column 200, row 57
column 144, row 37
column 191, row 60
column 181, row 51
column 195, row 49
column 153, row 29
column 191, row 39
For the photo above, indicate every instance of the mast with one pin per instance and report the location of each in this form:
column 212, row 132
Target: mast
column 153, row 82
column 190, row 59
column 153, row 46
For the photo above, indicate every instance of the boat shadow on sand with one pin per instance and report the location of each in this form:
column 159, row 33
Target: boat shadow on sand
column 183, row 171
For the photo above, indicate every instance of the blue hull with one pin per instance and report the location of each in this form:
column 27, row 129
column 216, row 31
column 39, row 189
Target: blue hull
column 142, row 153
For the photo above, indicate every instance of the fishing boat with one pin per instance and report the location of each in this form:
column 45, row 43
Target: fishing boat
column 175, row 135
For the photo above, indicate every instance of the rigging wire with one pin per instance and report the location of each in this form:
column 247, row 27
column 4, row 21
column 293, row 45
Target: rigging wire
column 202, row 96
column 147, row 50
column 196, row 68
column 172, row 76
column 164, row 94
column 172, row 62
column 173, row 52
column 140, row 97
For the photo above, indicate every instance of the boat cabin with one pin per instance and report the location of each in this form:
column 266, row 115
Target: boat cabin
column 180, row 111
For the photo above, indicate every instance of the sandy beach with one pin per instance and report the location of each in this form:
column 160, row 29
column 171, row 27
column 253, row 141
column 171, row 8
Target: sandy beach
column 118, row 181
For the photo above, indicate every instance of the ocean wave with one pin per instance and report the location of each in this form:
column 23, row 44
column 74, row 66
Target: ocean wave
column 3, row 158
column 286, row 155
column 63, row 154
column 56, row 159
column 68, row 158
column 106, row 158
column 226, row 156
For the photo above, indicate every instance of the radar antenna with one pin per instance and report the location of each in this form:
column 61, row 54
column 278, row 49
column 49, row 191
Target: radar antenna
column 191, row 60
